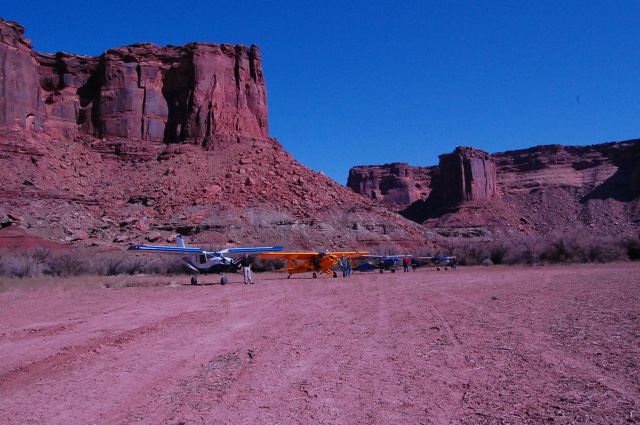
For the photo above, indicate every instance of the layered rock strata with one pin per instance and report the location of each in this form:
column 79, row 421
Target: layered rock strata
column 199, row 93
column 536, row 189
column 396, row 185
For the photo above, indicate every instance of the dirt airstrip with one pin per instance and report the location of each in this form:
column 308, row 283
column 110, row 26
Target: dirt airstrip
column 476, row 345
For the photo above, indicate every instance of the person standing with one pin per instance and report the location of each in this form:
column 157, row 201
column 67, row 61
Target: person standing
column 406, row 262
column 349, row 266
column 343, row 266
column 246, row 270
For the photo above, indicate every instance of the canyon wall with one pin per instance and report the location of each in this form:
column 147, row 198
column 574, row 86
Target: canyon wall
column 396, row 185
column 467, row 174
column 199, row 93
column 533, row 189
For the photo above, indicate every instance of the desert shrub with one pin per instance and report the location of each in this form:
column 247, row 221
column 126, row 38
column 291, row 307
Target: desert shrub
column 604, row 252
column 498, row 253
column 265, row 265
column 68, row 264
column 130, row 265
column 24, row 264
column 632, row 248
column 470, row 255
column 582, row 250
column 108, row 264
column 557, row 252
column 16, row 266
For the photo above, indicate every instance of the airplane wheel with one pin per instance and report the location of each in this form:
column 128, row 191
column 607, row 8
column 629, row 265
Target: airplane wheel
column 335, row 274
column 393, row 270
column 314, row 275
column 438, row 269
column 289, row 277
column 446, row 268
column 381, row 271
column 194, row 280
column 224, row 280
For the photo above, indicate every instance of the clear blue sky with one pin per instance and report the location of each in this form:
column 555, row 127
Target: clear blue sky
column 370, row 82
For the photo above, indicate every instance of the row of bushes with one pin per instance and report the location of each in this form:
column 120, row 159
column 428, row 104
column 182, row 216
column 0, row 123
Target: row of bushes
column 39, row 262
column 531, row 250
column 42, row 262
column 534, row 250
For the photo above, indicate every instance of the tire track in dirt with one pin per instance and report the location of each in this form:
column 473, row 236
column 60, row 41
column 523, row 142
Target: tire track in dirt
column 534, row 347
column 195, row 387
column 550, row 354
column 68, row 356
column 40, row 331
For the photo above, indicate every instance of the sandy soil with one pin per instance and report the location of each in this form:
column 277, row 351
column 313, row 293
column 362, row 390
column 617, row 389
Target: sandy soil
column 497, row 345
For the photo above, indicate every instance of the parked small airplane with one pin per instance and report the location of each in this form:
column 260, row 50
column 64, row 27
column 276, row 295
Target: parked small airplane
column 437, row 261
column 199, row 260
column 380, row 262
column 315, row 262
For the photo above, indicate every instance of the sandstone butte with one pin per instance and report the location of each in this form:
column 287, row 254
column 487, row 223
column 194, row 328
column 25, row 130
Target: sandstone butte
column 143, row 142
column 549, row 190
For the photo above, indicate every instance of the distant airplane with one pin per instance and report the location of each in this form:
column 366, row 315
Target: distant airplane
column 199, row 260
column 437, row 261
column 311, row 261
column 380, row 262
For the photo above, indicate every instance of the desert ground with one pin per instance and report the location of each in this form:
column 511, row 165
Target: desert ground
column 476, row 345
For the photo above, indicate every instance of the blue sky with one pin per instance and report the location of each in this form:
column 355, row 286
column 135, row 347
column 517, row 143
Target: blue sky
column 371, row 82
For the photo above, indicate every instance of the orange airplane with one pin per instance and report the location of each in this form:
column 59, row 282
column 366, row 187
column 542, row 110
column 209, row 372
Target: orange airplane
column 316, row 262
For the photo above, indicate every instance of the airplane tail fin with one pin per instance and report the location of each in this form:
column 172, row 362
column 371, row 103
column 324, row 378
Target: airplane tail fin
column 180, row 241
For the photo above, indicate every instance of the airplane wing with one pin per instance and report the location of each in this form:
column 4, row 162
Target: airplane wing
column 186, row 250
column 387, row 256
column 250, row 250
column 288, row 254
column 350, row 253
column 166, row 249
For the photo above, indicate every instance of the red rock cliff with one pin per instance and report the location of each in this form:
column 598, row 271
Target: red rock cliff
column 198, row 93
column 467, row 174
column 397, row 185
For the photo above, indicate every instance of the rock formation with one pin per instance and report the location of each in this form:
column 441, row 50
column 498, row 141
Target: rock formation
column 530, row 190
column 200, row 93
column 467, row 174
column 144, row 142
column 396, row 185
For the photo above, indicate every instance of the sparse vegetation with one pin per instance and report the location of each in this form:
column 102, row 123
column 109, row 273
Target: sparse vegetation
column 42, row 262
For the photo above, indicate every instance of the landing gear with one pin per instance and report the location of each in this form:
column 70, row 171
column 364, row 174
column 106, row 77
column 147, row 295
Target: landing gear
column 289, row 277
column 194, row 280
column 223, row 280
column 314, row 275
column 393, row 270
column 335, row 274
column 381, row 271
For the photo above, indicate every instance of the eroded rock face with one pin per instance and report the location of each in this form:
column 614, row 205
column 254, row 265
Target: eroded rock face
column 19, row 89
column 585, row 189
column 467, row 174
column 397, row 185
column 200, row 93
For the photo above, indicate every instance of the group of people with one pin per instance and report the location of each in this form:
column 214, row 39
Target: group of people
column 346, row 264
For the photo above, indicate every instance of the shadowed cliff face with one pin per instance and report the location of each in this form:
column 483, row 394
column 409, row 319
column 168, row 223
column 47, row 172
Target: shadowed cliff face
column 199, row 93
column 396, row 185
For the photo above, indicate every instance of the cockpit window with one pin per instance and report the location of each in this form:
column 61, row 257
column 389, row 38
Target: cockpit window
column 202, row 258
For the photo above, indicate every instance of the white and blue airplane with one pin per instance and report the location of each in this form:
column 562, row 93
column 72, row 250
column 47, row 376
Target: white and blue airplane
column 199, row 260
